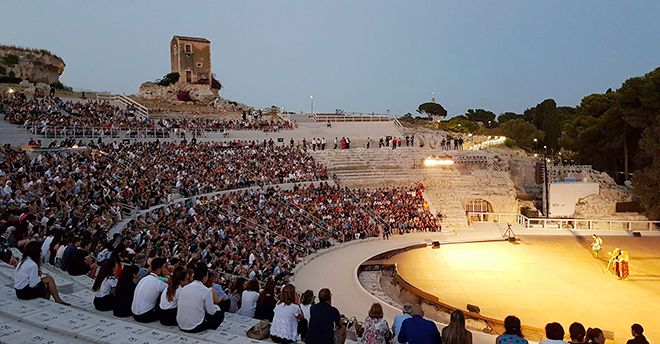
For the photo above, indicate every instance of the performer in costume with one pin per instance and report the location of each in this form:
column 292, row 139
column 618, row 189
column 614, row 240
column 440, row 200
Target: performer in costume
column 596, row 245
column 618, row 263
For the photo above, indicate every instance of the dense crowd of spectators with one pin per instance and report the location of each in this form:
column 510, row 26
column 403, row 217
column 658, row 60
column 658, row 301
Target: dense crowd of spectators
column 53, row 116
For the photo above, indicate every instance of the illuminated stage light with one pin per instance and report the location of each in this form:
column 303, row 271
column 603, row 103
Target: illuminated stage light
column 435, row 161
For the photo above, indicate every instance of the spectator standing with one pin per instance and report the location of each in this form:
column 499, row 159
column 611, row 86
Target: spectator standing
column 418, row 330
column 28, row 282
column 376, row 329
column 554, row 333
column 196, row 311
column 249, row 299
column 455, row 332
column 398, row 321
column 637, row 332
column 324, row 320
column 512, row 332
column 105, row 286
column 125, row 291
column 577, row 333
column 146, row 302
column 286, row 316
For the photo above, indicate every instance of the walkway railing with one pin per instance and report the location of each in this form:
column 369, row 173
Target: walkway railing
column 128, row 102
column 567, row 223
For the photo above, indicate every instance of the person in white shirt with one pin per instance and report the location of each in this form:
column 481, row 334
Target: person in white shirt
column 249, row 299
column 28, row 282
column 306, row 302
column 147, row 293
column 169, row 297
column 284, row 328
column 196, row 311
column 104, row 286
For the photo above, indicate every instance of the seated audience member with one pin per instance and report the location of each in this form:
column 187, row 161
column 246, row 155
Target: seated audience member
column 418, row 330
column 376, row 329
column 235, row 295
column 306, row 302
column 284, row 328
column 105, row 286
column 249, row 299
column 554, row 333
column 512, row 332
column 220, row 298
column 67, row 253
column 28, row 282
column 5, row 251
column 595, row 336
column 196, row 311
column 398, row 320
column 577, row 333
column 141, row 260
column 637, row 332
column 81, row 262
column 147, row 293
column 170, row 296
column 265, row 309
column 455, row 332
column 125, row 291
column 324, row 320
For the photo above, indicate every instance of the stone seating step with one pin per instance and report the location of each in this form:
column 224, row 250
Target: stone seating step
column 14, row 332
column 90, row 327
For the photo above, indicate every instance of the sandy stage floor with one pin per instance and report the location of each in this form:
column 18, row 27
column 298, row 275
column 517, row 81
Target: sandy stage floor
column 543, row 279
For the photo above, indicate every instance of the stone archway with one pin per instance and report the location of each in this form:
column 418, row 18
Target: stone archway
column 478, row 205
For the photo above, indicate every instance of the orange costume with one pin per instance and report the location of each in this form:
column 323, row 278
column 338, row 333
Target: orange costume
column 618, row 264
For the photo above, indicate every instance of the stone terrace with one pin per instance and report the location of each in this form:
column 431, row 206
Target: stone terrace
column 474, row 175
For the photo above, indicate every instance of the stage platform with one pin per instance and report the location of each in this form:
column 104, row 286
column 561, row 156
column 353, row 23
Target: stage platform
column 543, row 279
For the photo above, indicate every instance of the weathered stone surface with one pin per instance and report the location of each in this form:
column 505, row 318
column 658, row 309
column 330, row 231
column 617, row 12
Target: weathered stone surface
column 603, row 204
column 30, row 64
column 198, row 93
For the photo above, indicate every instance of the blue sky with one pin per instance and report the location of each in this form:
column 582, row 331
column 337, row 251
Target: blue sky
column 368, row 56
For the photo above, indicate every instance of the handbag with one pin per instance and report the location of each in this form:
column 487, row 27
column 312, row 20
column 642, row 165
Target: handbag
column 259, row 331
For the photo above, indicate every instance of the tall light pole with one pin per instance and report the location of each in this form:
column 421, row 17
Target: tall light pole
column 546, row 186
column 311, row 104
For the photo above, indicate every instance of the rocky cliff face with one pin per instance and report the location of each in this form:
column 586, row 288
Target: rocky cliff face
column 36, row 66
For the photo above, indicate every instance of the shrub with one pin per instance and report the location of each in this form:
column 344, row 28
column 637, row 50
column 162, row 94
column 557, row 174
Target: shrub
column 510, row 143
column 170, row 78
column 3, row 70
column 10, row 59
column 10, row 79
column 60, row 86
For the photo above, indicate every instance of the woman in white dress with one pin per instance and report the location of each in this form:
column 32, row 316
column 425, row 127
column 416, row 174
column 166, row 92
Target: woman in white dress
column 284, row 329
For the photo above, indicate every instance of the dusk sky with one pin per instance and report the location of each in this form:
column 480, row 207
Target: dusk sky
column 361, row 56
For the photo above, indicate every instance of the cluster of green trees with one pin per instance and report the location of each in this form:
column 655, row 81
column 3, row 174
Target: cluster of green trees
column 617, row 132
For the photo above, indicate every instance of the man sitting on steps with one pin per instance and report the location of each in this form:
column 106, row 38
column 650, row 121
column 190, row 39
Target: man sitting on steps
column 145, row 305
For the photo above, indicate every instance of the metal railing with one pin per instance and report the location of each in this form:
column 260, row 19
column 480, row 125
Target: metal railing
column 128, row 102
column 351, row 118
column 567, row 223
